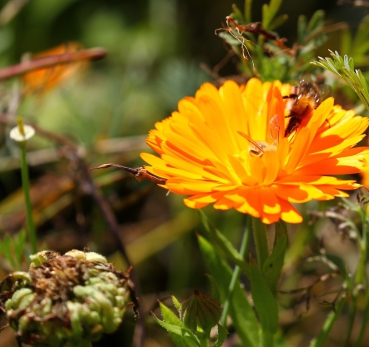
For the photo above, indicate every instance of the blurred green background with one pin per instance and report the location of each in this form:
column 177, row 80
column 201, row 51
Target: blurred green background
column 156, row 53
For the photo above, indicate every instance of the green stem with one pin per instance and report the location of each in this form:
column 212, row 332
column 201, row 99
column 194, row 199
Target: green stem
column 261, row 241
column 351, row 317
column 331, row 318
column 236, row 273
column 364, row 321
column 223, row 243
column 27, row 198
column 360, row 277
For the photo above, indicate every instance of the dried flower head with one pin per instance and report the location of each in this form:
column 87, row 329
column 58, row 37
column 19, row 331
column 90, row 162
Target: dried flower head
column 229, row 147
column 65, row 300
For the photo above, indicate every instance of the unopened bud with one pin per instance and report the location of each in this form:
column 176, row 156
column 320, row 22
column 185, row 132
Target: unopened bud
column 200, row 311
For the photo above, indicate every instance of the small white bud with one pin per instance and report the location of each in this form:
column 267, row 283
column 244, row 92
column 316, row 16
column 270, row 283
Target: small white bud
column 16, row 135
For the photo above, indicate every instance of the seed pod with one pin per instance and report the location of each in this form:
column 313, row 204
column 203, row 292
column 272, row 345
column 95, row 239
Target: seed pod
column 66, row 300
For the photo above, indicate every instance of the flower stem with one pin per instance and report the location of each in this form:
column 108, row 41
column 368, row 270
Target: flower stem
column 360, row 279
column 261, row 241
column 364, row 321
column 27, row 198
column 236, row 273
column 322, row 337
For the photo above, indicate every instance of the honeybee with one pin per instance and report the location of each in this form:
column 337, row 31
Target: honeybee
column 258, row 148
column 307, row 97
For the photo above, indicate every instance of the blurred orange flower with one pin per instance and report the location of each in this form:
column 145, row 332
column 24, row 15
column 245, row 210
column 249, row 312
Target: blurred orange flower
column 45, row 79
column 228, row 147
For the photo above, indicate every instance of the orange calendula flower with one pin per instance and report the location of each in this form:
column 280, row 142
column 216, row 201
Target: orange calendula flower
column 45, row 79
column 228, row 147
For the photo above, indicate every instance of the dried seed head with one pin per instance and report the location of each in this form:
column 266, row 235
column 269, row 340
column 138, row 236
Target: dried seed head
column 65, row 299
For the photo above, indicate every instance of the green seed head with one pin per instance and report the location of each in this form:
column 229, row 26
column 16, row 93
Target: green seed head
column 66, row 300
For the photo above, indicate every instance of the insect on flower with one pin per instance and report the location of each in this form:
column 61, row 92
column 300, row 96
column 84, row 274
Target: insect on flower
column 307, row 96
column 258, row 148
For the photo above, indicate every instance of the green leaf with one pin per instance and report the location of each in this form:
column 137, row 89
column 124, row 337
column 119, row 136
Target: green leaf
column 265, row 15
column 274, row 6
column 228, row 38
column 7, row 250
column 248, row 11
column 169, row 316
column 180, row 335
column 272, row 266
column 223, row 243
column 301, row 29
column 344, row 68
column 237, row 14
column 215, row 287
column 277, row 22
column 321, row 338
column 19, row 244
column 222, row 335
column 241, row 312
column 346, row 41
column 360, row 43
column 316, row 22
column 264, row 301
column 176, row 303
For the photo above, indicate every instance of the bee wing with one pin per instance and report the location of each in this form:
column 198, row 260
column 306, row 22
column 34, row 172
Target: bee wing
column 258, row 148
column 325, row 91
column 274, row 127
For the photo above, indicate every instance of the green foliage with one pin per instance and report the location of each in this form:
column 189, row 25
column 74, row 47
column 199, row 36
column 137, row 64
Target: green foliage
column 197, row 316
column 12, row 248
column 345, row 69
column 241, row 311
column 181, row 336
column 280, row 62
column 264, row 301
column 358, row 46
column 272, row 267
column 269, row 12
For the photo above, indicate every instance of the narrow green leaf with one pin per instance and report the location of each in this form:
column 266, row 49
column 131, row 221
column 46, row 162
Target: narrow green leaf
column 360, row 42
column 264, row 301
column 320, row 340
column 265, row 15
column 169, row 316
column 237, row 14
column 176, row 303
column 273, row 265
column 7, row 250
column 19, row 248
column 274, row 6
column 316, row 22
column 346, row 41
column 363, row 83
column 301, row 29
column 241, row 312
column 180, row 335
column 277, row 22
column 222, row 335
column 228, row 38
column 223, row 243
column 248, row 11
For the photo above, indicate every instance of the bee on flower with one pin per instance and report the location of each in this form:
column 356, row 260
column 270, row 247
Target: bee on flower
column 228, row 147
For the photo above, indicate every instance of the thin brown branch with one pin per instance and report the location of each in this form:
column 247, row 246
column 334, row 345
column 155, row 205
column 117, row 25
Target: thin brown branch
column 65, row 58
